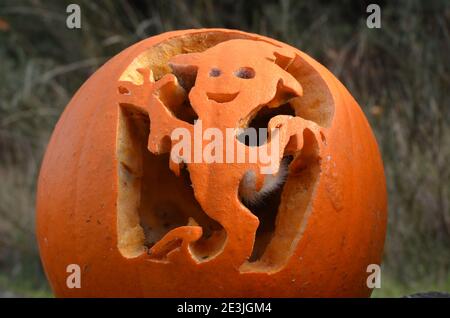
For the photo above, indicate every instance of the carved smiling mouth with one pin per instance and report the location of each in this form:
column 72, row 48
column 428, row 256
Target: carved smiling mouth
column 222, row 97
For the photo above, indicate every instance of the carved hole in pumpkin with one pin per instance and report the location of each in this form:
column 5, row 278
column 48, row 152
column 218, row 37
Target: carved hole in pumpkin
column 222, row 98
column 123, row 90
column 185, row 112
column 283, row 214
column 317, row 104
column 181, row 108
column 265, row 208
column 152, row 200
column 185, row 74
column 261, row 120
column 245, row 73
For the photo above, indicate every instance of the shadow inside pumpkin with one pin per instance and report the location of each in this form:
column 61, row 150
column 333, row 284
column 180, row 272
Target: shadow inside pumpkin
column 163, row 200
column 154, row 203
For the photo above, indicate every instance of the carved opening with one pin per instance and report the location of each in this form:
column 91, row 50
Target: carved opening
column 185, row 74
column 183, row 111
column 245, row 73
column 144, row 216
column 178, row 104
column 152, row 199
column 261, row 120
column 221, row 97
column 266, row 208
column 215, row 72
column 283, row 213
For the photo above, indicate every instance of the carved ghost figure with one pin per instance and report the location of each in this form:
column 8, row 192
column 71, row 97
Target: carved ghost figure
column 225, row 87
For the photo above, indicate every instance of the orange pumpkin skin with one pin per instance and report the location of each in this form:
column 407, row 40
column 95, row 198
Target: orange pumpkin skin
column 77, row 220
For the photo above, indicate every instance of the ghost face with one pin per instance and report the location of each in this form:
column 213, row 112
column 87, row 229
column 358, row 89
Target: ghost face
column 228, row 77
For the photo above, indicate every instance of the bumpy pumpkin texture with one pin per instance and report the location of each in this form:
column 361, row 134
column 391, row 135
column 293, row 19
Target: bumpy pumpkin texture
column 141, row 223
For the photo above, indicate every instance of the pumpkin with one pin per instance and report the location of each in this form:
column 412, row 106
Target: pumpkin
column 140, row 221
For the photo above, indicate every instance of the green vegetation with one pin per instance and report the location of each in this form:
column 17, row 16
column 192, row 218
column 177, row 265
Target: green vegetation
column 399, row 74
column 22, row 287
column 390, row 287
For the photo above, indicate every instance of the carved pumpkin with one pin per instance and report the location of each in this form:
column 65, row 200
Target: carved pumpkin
column 139, row 223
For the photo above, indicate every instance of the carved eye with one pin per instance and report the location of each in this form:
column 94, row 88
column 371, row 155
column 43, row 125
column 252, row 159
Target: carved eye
column 214, row 72
column 245, row 72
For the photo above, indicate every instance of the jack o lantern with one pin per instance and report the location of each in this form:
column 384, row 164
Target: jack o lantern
column 142, row 216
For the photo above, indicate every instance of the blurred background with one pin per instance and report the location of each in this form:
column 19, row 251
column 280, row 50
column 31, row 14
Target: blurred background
column 399, row 74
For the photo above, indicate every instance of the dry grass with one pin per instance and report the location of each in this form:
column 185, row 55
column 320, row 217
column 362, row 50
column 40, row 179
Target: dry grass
column 399, row 74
